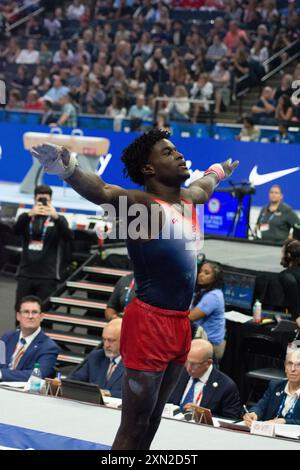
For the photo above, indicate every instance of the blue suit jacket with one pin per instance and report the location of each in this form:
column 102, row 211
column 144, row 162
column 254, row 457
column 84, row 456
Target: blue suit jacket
column 94, row 371
column 268, row 406
column 223, row 400
column 42, row 349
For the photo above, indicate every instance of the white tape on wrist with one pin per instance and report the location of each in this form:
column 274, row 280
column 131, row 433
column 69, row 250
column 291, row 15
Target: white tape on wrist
column 68, row 170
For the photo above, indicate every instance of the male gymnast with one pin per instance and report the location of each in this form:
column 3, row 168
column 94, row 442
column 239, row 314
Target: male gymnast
column 156, row 336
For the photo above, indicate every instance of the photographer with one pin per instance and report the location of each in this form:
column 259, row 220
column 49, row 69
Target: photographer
column 43, row 233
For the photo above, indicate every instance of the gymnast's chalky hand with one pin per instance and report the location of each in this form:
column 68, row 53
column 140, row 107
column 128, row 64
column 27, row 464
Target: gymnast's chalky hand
column 56, row 160
column 229, row 166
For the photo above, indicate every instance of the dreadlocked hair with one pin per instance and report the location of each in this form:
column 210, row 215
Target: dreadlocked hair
column 136, row 155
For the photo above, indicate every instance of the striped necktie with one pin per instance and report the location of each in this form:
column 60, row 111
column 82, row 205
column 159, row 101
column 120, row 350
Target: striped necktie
column 111, row 369
column 20, row 349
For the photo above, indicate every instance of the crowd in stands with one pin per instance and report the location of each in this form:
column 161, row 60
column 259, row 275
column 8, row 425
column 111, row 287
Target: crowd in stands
column 115, row 57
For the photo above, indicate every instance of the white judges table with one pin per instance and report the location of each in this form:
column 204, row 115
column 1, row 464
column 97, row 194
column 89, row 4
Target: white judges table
column 98, row 424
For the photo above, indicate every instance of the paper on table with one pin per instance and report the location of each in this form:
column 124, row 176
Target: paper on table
column 14, row 384
column 237, row 317
column 287, row 430
column 112, row 401
column 284, row 430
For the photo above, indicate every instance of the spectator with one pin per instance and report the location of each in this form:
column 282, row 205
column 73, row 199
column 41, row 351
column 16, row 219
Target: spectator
column 122, row 295
column 201, row 383
column 208, row 308
column 234, row 35
column 217, row 50
column 179, row 110
column 117, row 110
column 202, row 89
column 104, row 367
column 265, row 106
column 63, row 47
column 76, row 77
column 57, row 90
column 138, row 72
column 280, row 404
column 28, row 345
column 22, row 79
column 11, row 52
column 95, row 95
column 178, row 72
column 140, row 110
column 260, row 53
column 41, row 80
column 249, row 132
column 81, row 54
column 15, row 100
column 267, row 10
column 68, row 117
column 162, row 122
column 240, row 62
column 283, row 136
column 33, row 102
column 117, row 81
column 220, row 78
column 43, row 232
column 122, row 54
column 45, row 57
column 48, row 116
column 144, row 46
column 284, row 109
column 29, row 55
column 177, row 34
column 281, row 41
column 275, row 220
column 217, row 28
column 290, row 277
column 285, row 87
column 76, row 10
column 33, row 28
column 52, row 25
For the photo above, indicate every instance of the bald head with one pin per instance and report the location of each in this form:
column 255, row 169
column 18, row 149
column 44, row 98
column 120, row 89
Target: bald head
column 199, row 358
column 111, row 338
column 202, row 348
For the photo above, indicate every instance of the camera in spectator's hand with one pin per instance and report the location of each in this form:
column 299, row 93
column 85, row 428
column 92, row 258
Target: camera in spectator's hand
column 43, row 200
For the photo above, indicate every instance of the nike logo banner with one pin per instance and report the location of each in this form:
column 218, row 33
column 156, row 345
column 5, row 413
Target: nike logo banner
column 257, row 180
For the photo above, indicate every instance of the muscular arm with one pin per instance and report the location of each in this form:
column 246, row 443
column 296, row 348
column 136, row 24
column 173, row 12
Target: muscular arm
column 58, row 161
column 93, row 188
column 201, row 189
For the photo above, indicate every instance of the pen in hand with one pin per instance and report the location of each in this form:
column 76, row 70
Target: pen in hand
column 246, row 409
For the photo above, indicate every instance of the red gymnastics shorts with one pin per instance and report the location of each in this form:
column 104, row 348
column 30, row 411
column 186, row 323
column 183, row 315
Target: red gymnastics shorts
column 153, row 337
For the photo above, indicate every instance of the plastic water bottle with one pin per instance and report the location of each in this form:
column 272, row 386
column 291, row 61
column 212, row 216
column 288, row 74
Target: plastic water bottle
column 35, row 381
column 257, row 311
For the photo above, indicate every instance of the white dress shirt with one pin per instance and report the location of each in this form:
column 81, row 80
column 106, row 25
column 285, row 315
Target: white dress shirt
column 198, row 392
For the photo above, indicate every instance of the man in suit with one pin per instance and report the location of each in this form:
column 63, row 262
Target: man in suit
column 28, row 345
column 201, row 383
column 104, row 367
column 280, row 403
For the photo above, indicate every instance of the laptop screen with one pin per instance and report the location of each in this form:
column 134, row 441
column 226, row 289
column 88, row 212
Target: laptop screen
column 8, row 211
column 239, row 289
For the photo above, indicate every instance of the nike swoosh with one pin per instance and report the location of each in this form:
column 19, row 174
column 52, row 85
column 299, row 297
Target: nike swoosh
column 258, row 180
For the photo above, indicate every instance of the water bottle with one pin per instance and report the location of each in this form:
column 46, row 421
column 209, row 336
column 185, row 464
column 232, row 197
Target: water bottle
column 35, row 381
column 257, row 311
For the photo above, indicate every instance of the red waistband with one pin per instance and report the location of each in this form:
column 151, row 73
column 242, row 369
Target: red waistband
column 161, row 311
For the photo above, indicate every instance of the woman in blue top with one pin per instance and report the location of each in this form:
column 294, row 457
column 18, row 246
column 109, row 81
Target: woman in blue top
column 208, row 307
